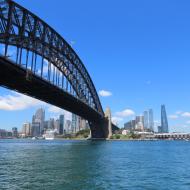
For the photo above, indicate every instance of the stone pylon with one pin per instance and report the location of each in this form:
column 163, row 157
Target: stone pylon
column 109, row 117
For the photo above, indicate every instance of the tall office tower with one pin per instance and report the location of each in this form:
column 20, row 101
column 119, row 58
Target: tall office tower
column 39, row 117
column 140, row 123
column 26, row 129
column 56, row 125
column 151, row 120
column 164, row 120
column 133, row 123
column 68, row 126
column 36, row 129
column 61, row 124
column 51, row 123
column 74, row 123
column 82, row 123
column 146, row 120
column 45, row 125
column 159, row 129
column 15, row 132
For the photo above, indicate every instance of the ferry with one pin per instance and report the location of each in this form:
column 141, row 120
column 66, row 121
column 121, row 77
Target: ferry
column 49, row 135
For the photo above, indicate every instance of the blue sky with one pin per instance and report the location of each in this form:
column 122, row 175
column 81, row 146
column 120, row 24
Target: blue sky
column 138, row 50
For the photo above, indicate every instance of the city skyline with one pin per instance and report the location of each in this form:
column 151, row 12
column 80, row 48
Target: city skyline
column 149, row 67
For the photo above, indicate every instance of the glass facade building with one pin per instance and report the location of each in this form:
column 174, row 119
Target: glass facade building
column 164, row 120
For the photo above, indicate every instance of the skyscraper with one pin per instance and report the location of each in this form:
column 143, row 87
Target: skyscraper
column 35, row 129
column 164, row 120
column 146, row 120
column 68, row 126
column 151, row 120
column 61, row 124
column 26, row 129
column 39, row 117
column 15, row 132
column 82, row 123
column 75, row 123
column 140, row 123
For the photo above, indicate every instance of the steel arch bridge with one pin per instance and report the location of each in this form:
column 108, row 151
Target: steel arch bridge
column 38, row 62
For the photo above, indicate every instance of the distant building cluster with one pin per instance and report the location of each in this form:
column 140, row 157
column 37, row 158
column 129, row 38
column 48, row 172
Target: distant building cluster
column 145, row 122
column 9, row 134
column 60, row 126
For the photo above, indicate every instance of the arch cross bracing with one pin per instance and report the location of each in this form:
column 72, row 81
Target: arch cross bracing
column 38, row 48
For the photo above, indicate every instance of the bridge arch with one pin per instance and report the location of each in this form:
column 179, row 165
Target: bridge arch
column 34, row 39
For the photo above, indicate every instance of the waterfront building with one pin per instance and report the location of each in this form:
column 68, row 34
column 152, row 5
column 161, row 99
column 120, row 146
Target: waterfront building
column 15, row 132
column 128, row 126
column 146, row 120
column 139, row 123
column 36, row 129
column 133, row 123
column 56, row 125
column 159, row 129
column 27, row 129
column 39, row 117
column 164, row 120
column 45, row 125
column 5, row 134
column 74, row 123
column 68, row 126
column 151, row 120
column 82, row 124
column 50, row 124
column 125, row 132
column 61, row 124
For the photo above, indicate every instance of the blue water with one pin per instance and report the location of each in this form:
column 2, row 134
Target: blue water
column 86, row 165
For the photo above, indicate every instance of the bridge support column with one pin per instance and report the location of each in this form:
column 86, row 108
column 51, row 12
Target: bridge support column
column 102, row 129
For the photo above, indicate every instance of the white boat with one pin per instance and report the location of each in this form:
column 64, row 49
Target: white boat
column 49, row 135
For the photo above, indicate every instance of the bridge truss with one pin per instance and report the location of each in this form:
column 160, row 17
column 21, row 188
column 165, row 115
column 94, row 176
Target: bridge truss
column 33, row 45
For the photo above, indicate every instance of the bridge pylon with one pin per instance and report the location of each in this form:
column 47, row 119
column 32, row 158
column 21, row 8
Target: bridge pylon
column 102, row 129
column 109, row 123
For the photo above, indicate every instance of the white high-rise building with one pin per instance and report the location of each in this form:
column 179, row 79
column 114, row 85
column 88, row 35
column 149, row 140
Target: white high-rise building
column 149, row 120
column 146, row 120
column 39, row 117
column 75, row 123
column 27, row 129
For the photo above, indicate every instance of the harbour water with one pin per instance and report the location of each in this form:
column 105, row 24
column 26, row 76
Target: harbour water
column 91, row 165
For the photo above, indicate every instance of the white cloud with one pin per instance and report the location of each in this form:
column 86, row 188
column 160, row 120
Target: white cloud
column 115, row 119
column 105, row 93
column 179, row 112
column 18, row 101
column 125, row 113
column 173, row 116
column 185, row 114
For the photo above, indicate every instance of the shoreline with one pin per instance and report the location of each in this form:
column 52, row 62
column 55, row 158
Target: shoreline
column 83, row 139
